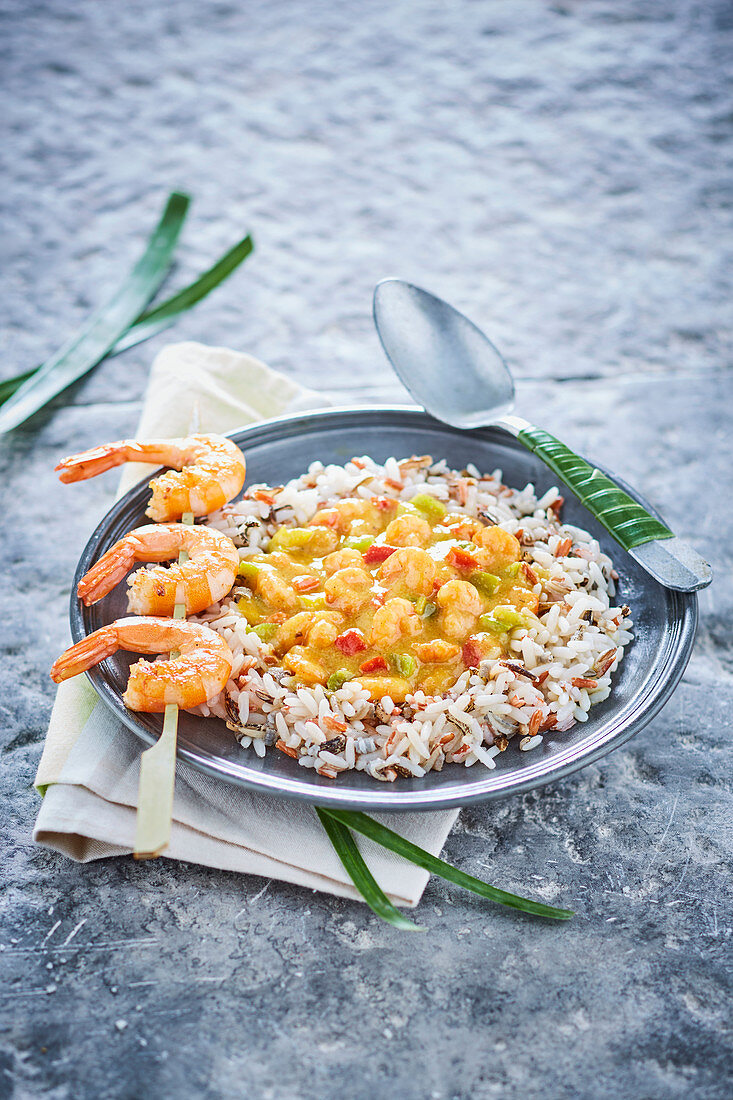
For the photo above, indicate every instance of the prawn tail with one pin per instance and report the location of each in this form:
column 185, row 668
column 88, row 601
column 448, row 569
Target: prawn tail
column 87, row 464
column 86, row 653
column 108, row 572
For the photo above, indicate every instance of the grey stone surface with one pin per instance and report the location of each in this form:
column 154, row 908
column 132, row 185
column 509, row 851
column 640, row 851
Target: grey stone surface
column 560, row 171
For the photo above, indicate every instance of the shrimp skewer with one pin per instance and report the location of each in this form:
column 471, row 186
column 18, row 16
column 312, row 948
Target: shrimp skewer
column 206, row 471
column 206, row 577
column 199, row 672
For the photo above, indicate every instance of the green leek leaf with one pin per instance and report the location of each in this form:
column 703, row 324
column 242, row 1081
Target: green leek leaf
column 361, row 823
column 8, row 386
column 360, row 874
column 106, row 325
column 160, row 317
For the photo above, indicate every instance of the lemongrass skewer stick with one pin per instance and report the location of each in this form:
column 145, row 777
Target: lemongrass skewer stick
column 158, row 770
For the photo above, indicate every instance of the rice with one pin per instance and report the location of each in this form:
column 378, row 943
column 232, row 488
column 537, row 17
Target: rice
column 555, row 672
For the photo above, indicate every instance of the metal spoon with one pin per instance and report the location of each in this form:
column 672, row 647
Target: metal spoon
column 454, row 371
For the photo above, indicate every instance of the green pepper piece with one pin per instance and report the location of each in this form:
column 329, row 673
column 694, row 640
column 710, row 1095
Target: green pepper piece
column 513, row 569
column 487, row 623
column 291, row 538
column 338, row 679
column 403, row 664
column 429, row 610
column 265, row 631
column 485, row 582
column 509, row 617
column 434, row 510
column 248, row 570
column 358, row 542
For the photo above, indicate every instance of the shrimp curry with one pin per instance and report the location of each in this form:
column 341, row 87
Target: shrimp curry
column 399, row 596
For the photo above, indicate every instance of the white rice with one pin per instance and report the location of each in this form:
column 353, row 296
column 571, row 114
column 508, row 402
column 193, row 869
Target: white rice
column 580, row 635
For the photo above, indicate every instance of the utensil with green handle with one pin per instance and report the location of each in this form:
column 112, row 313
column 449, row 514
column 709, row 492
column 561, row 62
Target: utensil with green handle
column 459, row 377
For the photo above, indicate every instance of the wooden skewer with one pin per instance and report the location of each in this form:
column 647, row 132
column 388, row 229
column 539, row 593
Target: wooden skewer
column 158, row 770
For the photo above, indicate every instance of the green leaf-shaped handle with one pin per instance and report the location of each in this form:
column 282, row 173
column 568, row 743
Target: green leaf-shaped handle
column 627, row 521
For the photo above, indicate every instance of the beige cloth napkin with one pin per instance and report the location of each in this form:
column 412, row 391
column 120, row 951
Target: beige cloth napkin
column 90, row 763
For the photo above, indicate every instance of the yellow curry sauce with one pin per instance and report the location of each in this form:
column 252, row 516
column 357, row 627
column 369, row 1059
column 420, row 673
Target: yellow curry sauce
column 397, row 596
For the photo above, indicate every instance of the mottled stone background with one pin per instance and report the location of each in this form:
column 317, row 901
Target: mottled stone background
column 562, row 171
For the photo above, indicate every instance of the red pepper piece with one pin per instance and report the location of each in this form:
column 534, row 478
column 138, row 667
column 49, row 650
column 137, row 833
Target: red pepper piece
column 385, row 504
column 471, row 654
column 376, row 553
column 461, row 559
column 350, row 642
column 306, row 584
column 373, row 664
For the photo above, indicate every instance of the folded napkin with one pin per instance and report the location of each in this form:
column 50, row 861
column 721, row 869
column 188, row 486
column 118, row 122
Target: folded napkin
column 89, row 769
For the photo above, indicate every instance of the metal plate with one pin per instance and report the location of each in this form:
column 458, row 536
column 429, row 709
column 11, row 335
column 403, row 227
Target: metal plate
column 277, row 450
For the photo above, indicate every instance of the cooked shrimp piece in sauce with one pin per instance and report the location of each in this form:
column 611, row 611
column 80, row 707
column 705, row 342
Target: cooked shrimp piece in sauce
column 349, row 516
column 342, row 559
column 408, row 569
column 326, row 517
column 460, row 605
column 348, row 589
column 461, row 527
column 298, row 661
column 379, row 686
column 275, row 590
column 206, row 471
column 325, row 630
column 397, row 618
column 504, row 548
column 359, row 513
column 316, row 628
column 206, row 577
column 408, row 531
column 323, row 541
column 198, row 674
column 523, row 597
column 436, row 651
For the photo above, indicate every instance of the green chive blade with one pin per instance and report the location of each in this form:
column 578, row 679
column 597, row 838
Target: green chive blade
column 163, row 316
column 160, row 317
column 8, row 386
column 367, row 826
column 360, row 874
column 105, row 326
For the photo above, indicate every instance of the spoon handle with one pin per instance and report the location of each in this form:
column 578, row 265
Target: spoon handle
column 674, row 563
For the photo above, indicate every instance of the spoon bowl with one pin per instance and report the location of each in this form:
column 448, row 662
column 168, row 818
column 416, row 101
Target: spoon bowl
column 441, row 357
column 455, row 372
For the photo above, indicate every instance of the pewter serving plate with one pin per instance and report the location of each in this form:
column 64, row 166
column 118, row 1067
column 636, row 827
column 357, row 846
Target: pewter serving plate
column 277, row 450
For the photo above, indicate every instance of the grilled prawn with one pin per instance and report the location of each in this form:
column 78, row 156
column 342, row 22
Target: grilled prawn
column 205, row 578
column 199, row 672
column 206, row 471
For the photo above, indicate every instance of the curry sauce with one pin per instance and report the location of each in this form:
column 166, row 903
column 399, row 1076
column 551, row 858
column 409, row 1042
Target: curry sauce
column 396, row 595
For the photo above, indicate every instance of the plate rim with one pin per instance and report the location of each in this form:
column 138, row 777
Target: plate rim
column 383, row 797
